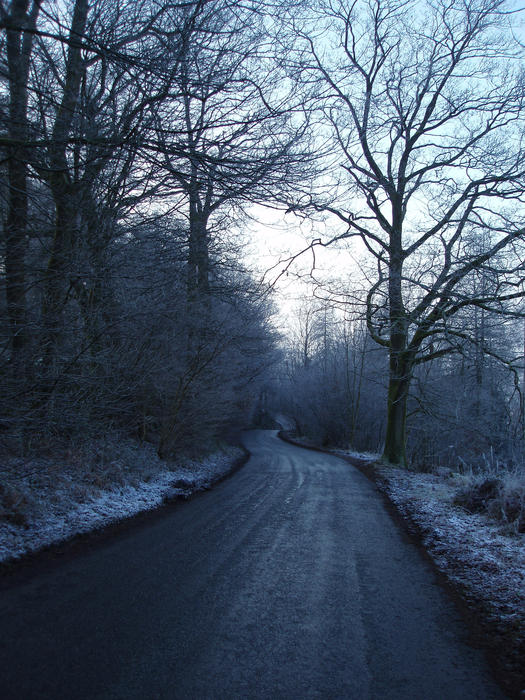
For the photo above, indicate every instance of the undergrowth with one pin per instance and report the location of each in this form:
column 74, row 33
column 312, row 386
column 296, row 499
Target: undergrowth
column 497, row 492
column 77, row 473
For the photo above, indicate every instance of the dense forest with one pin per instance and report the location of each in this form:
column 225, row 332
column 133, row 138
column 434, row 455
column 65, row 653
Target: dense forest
column 135, row 138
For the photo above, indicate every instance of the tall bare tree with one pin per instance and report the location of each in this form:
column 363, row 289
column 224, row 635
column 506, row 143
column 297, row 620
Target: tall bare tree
column 424, row 102
column 226, row 136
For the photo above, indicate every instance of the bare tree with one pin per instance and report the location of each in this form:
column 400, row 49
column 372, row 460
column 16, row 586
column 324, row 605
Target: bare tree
column 226, row 135
column 59, row 175
column 424, row 102
column 306, row 331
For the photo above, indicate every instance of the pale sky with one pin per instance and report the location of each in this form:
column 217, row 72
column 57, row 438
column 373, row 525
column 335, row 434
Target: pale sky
column 275, row 237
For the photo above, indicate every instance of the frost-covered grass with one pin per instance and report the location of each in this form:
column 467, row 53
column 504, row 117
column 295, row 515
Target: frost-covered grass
column 486, row 556
column 47, row 500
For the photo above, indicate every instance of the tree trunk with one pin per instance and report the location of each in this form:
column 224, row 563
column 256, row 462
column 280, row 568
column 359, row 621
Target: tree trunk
column 400, row 371
column 198, row 253
column 62, row 188
column 356, row 393
column 56, row 285
column 19, row 48
column 15, row 250
column 395, row 440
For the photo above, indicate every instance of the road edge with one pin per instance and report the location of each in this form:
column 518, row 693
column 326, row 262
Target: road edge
column 17, row 570
column 482, row 631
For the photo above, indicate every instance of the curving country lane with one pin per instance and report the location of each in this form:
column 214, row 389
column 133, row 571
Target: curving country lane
column 288, row 580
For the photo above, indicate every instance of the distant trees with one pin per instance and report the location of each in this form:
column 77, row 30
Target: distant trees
column 331, row 382
column 424, row 103
column 224, row 139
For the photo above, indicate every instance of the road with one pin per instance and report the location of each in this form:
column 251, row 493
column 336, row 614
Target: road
column 288, row 580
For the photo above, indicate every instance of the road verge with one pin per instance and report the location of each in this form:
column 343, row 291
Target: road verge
column 46, row 502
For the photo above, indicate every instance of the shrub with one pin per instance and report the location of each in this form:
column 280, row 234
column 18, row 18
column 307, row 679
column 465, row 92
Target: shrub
column 501, row 497
column 13, row 504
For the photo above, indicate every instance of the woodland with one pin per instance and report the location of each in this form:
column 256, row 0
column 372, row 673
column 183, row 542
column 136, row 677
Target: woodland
column 135, row 140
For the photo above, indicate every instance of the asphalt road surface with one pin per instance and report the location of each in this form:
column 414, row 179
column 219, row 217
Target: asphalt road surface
column 288, row 580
